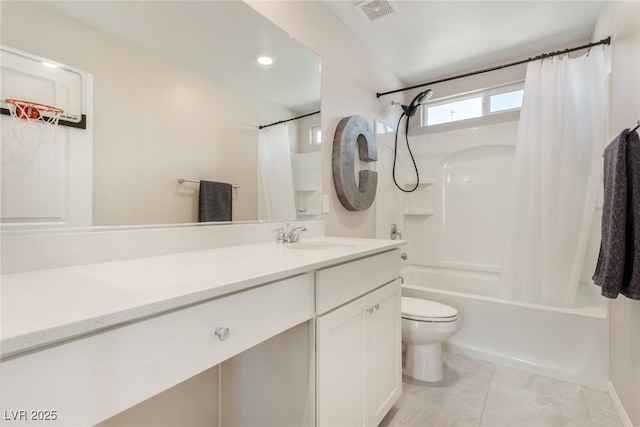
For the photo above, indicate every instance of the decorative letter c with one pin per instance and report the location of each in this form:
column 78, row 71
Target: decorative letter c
column 350, row 130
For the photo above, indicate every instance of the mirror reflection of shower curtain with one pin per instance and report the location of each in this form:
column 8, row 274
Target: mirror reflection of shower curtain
column 561, row 136
column 276, row 199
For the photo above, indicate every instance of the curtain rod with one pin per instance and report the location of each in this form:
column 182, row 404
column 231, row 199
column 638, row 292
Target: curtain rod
column 606, row 41
column 288, row 120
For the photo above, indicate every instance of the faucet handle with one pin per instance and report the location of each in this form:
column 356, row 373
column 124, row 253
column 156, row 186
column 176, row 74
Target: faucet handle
column 395, row 232
column 281, row 236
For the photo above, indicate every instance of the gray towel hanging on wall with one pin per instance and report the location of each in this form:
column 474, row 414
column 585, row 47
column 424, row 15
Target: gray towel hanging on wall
column 618, row 268
column 215, row 201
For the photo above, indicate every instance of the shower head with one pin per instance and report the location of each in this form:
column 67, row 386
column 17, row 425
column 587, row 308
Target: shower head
column 420, row 99
column 423, row 97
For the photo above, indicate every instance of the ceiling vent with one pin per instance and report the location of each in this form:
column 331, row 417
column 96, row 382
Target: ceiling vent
column 373, row 10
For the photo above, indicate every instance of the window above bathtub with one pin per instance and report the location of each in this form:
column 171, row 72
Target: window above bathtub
column 496, row 104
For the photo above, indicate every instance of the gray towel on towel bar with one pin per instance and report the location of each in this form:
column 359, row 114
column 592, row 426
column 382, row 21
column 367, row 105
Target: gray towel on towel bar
column 618, row 268
column 214, row 203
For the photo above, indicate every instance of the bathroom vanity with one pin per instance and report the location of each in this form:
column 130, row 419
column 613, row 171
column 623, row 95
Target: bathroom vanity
column 82, row 344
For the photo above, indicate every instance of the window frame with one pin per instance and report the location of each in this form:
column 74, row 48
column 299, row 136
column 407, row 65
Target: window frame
column 451, row 100
column 486, row 95
column 312, row 132
column 500, row 90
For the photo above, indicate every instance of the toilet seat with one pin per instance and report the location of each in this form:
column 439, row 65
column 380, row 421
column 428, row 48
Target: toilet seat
column 422, row 310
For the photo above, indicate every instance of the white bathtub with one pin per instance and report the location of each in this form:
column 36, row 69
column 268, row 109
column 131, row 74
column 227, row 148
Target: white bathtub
column 569, row 344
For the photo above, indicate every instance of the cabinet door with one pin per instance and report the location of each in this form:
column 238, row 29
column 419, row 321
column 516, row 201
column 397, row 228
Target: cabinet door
column 342, row 374
column 385, row 350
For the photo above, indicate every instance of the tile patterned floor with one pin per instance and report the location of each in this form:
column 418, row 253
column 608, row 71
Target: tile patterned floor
column 481, row 394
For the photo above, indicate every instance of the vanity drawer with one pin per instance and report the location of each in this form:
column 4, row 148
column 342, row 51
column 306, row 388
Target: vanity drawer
column 93, row 378
column 345, row 282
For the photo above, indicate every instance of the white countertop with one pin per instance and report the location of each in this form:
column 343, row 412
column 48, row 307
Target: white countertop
column 44, row 307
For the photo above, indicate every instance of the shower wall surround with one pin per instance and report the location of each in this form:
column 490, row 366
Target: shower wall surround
column 455, row 219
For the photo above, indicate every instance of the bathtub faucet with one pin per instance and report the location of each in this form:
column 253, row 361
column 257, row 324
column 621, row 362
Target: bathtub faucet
column 395, row 232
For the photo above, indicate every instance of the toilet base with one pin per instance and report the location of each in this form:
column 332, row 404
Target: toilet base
column 424, row 362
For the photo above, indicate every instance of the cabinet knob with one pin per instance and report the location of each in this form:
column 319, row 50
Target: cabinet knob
column 376, row 306
column 369, row 310
column 223, row 333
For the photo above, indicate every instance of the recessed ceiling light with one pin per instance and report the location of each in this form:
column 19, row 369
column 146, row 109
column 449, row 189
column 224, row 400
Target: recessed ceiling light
column 265, row 60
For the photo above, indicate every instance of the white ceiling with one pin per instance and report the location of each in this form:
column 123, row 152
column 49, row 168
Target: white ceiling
column 422, row 41
column 426, row 40
column 220, row 38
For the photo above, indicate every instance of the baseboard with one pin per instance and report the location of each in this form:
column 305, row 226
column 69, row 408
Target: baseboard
column 624, row 417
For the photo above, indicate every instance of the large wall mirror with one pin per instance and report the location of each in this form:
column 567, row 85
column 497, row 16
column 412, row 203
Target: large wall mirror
column 174, row 92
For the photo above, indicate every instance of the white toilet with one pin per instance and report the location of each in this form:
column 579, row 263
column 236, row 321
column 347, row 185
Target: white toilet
column 425, row 324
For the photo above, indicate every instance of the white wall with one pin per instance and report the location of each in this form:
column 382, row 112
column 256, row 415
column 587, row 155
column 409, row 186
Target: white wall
column 154, row 122
column 350, row 77
column 620, row 20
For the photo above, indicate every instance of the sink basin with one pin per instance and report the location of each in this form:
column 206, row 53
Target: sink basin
column 319, row 246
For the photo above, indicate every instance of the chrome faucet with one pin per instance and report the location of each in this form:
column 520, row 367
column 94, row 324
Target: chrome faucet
column 289, row 235
column 395, row 233
column 294, row 234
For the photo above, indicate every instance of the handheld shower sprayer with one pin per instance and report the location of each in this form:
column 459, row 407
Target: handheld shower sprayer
column 409, row 111
column 421, row 98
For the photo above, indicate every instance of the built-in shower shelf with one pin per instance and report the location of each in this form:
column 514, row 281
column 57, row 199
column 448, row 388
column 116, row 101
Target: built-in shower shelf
column 421, row 212
column 307, row 214
column 306, row 189
column 423, row 183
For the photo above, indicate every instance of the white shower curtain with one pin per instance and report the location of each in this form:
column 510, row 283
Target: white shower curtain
column 558, row 160
column 276, row 200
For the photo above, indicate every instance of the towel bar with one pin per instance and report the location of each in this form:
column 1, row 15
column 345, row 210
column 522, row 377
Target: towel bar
column 182, row 180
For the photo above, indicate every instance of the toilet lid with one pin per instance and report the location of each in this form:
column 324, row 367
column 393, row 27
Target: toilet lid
column 421, row 309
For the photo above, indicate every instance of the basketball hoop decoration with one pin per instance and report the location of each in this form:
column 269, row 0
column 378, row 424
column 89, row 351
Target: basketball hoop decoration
column 33, row 120
column 34, row 111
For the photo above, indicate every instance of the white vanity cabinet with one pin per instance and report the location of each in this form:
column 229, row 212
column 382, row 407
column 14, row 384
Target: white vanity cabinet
column 294, row 337
column 359, row 366
column 87, row 380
